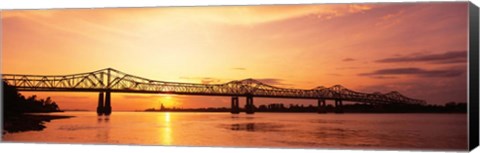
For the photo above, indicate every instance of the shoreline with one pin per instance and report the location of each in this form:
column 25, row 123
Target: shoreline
column 27, row 122
column 286, row 112
column 328, row 112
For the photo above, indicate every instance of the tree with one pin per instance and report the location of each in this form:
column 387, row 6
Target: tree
column 16, row 103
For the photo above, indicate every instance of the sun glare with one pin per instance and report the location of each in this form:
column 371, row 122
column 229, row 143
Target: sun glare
column 167, row 100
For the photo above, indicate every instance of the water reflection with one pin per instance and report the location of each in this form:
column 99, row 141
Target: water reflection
column 234, row 116
column 255, row 127
column 103, row 128
column 243, row 127
column 102, row 119
column 166, row 133
column 381, row 131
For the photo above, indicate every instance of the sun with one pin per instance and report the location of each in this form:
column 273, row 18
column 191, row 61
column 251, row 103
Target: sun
column 166, row 96
column 167, row 100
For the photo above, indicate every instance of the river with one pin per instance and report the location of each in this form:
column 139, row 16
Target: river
column 272, row 130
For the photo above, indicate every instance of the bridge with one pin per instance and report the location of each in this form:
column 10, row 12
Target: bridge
column 109, row 80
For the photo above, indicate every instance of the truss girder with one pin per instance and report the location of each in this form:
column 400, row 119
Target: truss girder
column 113, row 80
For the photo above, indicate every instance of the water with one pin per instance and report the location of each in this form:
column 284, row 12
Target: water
column 279, row 130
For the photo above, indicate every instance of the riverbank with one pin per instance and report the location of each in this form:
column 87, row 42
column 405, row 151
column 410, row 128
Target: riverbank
column 27, row 122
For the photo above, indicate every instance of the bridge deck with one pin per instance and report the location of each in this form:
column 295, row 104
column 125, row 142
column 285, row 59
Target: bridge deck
column 115, row 81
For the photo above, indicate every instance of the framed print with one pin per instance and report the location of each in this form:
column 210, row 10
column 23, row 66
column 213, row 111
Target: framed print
column 373, row 76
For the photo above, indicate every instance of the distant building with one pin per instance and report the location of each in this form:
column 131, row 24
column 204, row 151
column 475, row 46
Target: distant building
column 162, row 107
column 275, row 107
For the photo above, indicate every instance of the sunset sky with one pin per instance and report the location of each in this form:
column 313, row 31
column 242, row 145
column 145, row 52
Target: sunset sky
column 418, row 49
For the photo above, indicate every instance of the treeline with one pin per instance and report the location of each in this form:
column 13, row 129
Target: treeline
column 16, row 103
column 174, row 109
column 451, row 107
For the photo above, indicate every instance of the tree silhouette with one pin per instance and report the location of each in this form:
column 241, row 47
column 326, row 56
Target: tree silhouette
column 16, row 103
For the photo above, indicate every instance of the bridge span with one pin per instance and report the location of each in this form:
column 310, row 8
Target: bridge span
column 106, row 81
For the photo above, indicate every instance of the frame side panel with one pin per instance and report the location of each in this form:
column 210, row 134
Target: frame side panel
column 474, row 77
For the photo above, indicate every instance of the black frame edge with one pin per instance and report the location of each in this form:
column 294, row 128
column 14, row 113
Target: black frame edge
column 474, row 76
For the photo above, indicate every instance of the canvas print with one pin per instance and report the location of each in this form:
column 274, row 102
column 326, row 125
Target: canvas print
column 354, row 76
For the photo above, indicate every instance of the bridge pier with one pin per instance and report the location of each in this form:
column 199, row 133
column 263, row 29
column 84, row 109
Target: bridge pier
column 235, row 105
column 249, row 107
column 108, row 108
column 100, row 104
column 322, row 107
column 104, row 105
column 338, row 106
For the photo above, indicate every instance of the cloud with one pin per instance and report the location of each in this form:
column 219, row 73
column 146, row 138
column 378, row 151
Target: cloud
column 434, row 91
column 391, row 19
column 443, row 58
column 334, row 74
column 210, row 80
column 272, row 81
column 248, row 15
column 204, row 80
column 383, row 77
column 347, row 68
column 416, row 71
column 239, row 68
column 348, row 59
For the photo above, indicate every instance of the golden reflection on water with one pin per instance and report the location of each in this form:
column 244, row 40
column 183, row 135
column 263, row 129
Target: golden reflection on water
column 261, row 130
column 103, row 129
column 166, row 132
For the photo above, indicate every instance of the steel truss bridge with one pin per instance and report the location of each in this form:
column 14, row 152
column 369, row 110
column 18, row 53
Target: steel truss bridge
column 110, row 80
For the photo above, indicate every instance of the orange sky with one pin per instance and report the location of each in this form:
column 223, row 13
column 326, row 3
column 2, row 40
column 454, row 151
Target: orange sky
column 418, row 49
